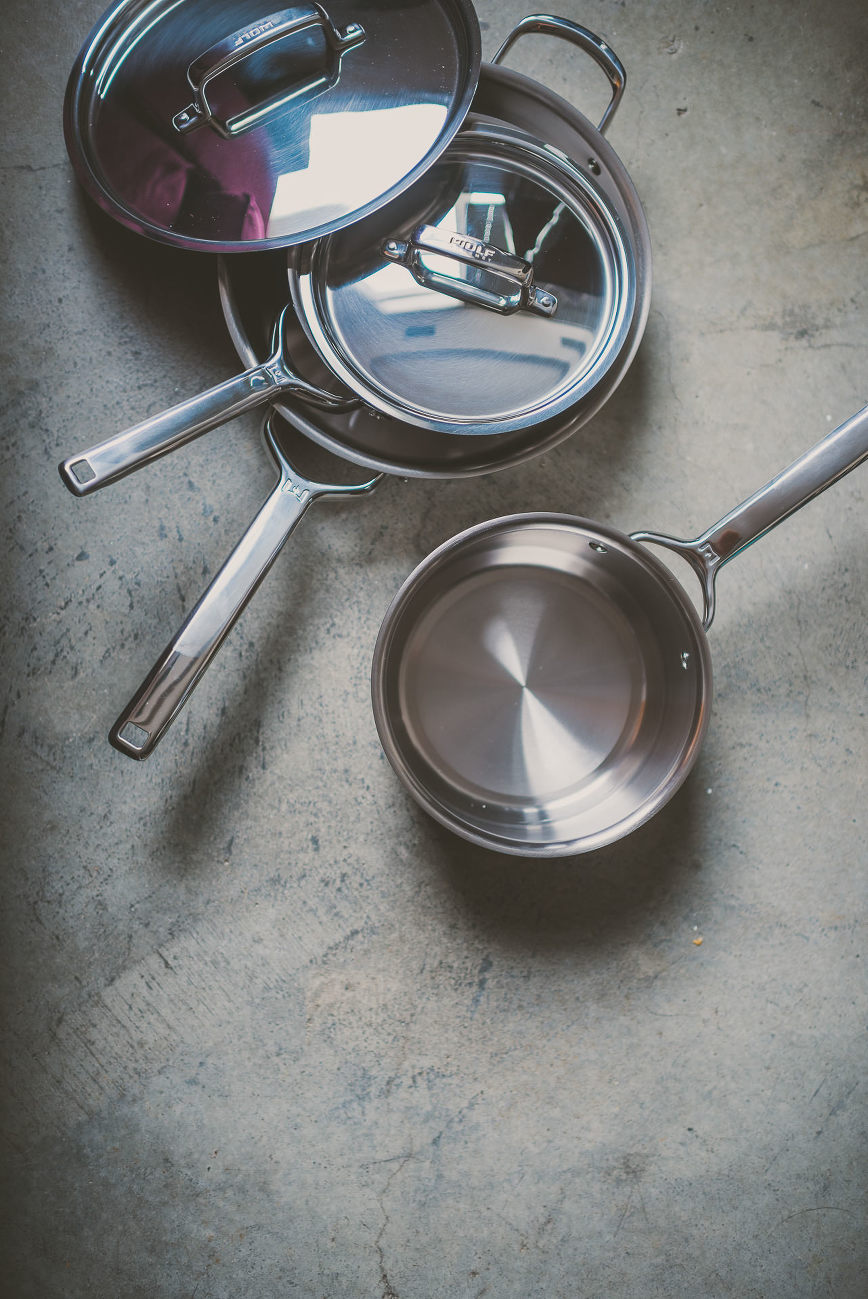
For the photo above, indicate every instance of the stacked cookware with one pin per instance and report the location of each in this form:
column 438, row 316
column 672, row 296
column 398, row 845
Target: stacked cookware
column 435, row 267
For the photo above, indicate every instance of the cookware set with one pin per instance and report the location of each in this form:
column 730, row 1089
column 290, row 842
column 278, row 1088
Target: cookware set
column 435, row 267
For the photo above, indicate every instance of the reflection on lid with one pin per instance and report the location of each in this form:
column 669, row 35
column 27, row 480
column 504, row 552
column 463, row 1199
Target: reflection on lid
column 453, row 359
column 286, row 124
column 127, row 42
column 318, row 193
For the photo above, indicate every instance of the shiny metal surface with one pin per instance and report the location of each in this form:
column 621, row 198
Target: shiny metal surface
column 117, row 456
column 252, row 291
column 175, row 675
column 239, row 47
column 501, row 281
column 415, row 352
column 366, row 436
column 563, row 29
column 834, row 456
column 301, row 120
column 541, row 684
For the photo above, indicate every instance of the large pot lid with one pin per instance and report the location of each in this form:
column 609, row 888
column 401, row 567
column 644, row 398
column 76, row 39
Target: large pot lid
column 221, row 126
column 493, row 295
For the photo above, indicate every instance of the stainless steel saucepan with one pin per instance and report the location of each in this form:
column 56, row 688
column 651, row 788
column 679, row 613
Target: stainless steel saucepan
column 541, row 684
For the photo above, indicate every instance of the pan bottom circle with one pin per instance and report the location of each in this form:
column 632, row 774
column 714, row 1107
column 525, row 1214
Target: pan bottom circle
column 522, row 684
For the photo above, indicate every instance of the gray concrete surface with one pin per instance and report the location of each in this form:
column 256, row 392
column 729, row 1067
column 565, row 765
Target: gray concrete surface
column 270, row 1031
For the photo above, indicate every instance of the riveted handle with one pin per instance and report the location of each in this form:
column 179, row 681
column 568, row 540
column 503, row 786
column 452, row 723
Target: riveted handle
column 835, row 455
column 501, row 281
column 240, row 45
column 593, row 45
column 155, row 437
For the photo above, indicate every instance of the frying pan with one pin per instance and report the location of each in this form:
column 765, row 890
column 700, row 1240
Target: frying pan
column 541, row 683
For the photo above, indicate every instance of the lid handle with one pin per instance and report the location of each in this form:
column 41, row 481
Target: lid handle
column 501, row 281
column 240, row 45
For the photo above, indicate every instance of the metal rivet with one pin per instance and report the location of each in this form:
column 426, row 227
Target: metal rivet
column 600, row 549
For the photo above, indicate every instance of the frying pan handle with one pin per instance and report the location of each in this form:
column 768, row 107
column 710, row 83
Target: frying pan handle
column 832, row 457
column 593, row 45
column 120, row 455
column 181, row 666
column 223, row 56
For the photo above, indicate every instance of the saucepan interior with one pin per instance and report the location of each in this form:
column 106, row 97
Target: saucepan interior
column 541, row 684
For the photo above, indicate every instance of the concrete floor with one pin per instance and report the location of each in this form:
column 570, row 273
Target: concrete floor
column 271, row 1031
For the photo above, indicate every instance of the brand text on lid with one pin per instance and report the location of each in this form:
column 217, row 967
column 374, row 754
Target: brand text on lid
column 252, row 32
column 474, row 247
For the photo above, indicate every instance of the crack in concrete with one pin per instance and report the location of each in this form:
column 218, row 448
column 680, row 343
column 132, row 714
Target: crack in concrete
column 389, row 1291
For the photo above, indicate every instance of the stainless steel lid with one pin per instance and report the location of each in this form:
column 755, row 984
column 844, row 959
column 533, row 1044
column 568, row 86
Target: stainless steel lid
column 492, row 295
column 217, row 125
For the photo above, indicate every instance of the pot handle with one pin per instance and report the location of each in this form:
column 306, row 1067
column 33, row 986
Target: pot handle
column 240, row 45
column 120, row 455
column 597, row 48
column 175, row 675
column 832, row 457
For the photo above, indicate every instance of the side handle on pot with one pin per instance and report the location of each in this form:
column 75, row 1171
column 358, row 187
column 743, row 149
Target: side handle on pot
column 240, row 45
column 597, row 48
column 501, row 281
column 833, row 456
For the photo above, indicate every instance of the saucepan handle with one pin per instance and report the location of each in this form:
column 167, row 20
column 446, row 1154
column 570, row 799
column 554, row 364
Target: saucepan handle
column 833, row 457
column 593, row 45
column 182, row 664
column 240, row 45
column 120, row 455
